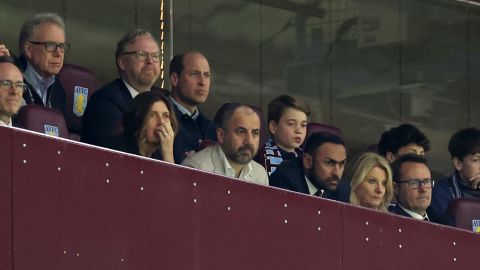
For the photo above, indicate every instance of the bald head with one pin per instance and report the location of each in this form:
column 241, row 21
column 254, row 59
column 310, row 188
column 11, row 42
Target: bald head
column 239, row 133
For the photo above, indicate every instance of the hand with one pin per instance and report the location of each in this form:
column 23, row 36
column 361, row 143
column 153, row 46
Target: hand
column 475, row 182
column 166, row 137
column 4, row 50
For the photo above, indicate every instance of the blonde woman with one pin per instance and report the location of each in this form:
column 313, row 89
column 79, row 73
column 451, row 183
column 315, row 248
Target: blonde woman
column 371, row 182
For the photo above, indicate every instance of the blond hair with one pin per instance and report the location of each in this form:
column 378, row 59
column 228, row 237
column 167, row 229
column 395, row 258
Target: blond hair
column 360, row 169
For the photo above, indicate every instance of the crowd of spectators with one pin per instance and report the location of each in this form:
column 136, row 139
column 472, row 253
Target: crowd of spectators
column 130, row 115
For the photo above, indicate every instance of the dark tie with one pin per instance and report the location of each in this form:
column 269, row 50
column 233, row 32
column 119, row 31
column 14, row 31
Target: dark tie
column 319, row 193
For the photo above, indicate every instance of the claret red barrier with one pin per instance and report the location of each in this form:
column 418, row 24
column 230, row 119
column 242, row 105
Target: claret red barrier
column 66, row 205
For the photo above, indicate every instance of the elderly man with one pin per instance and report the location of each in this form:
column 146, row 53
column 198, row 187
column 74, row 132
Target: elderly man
column 138, row 64
column 42, row 47
column 318, row 171
column 238, row 133
column 412, row 186
column 190, row 79
column 11, row 90
column 464, row 148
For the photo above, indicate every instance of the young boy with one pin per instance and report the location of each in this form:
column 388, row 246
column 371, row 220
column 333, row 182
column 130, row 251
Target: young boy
column 287, row 123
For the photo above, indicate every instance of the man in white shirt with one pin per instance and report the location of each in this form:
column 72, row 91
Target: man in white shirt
column 412, row 186
column 11, row 90
column 138, row 64
column 238, row 136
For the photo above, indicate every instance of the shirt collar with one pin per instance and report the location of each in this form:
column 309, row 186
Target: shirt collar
column 184, row 110
column 6, row 124
column 414, row 214
column 132, row 90
column 311, row 188
column 38, row 82
column 229, row 171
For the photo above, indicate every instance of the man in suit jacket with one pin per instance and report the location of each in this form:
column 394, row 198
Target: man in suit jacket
column 138, row 64
column 238, row 134
column 190, row 78
column 412, row 186
column 318, row 171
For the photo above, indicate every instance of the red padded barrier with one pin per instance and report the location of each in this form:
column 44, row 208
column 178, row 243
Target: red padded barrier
column 5, row 198
column 80, row 207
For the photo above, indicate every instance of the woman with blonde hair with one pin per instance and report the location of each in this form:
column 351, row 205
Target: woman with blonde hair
column 371, row 182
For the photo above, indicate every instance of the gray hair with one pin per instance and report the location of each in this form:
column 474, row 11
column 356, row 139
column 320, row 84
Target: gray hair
column 127, row 39
column 29, row 25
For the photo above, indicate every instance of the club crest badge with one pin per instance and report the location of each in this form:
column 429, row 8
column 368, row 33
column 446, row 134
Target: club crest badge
column 80, row 100
column 51, row 130
column 476, row 225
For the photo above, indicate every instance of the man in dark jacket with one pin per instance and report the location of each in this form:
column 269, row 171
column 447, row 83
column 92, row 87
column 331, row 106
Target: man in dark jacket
column 138, row 64
column 42, row 47
column 190, row 79
column 412, row 185
column 464, row 148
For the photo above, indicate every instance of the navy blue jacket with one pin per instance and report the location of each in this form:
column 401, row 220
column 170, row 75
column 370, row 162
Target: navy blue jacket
column 191, row 133
column 104, row 112
column 289, row 175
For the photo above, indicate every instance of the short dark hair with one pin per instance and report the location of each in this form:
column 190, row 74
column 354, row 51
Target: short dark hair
column 397, row 164
column 315, row 140
column 7, row 59
column 464, row 142
column 224, row 114
column 127, row 39
column 176, row 64
column 277, row 107
column 400, row 136
column 137, row 112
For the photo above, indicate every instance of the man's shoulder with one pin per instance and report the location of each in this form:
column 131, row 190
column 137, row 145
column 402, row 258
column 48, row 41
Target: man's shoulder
column 442, row 186
column 395, row 209
column 111, row 88
column 202, row 159
column 289, row 170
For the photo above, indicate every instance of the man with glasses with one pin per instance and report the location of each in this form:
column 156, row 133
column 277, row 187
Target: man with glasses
column 412, row 186
column 42, row 47
column 138, row 64
column 11, row 90
column 464, row 182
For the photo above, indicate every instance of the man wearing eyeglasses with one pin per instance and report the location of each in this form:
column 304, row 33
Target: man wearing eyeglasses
column 42, row 46
column 190, row 79
column 11, row 90
column 412, row 186
column 464, row 182
column 138, row 64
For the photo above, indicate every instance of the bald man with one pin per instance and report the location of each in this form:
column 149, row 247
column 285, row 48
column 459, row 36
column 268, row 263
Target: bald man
column 238, row 136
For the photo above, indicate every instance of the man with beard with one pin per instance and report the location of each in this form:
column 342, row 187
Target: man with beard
column 318, row 171
column 238, row 134
column 190, row 79
column 138, row 64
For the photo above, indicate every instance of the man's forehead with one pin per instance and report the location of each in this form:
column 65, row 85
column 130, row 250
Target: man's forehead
column 415, row 170
column 245, row 119
column 332, row 151
column 195, row 61
column 9, row 69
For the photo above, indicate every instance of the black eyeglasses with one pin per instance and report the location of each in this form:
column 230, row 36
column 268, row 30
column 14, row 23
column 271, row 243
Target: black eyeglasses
column 52, row 46
column 143, row 55
column 415, row 183
column 7, row 85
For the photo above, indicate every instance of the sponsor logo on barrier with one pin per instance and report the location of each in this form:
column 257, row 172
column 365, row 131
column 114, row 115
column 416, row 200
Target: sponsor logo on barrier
column 80, row 100
column 51, row 130
column 476, row 225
